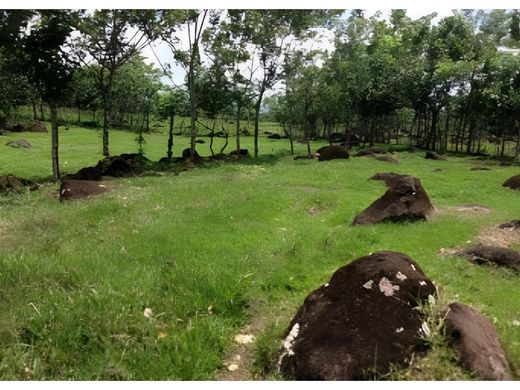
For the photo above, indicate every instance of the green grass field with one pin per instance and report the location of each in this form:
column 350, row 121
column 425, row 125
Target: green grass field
column 212, row 249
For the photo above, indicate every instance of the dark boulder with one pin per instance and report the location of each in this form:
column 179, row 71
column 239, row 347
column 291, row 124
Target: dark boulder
column 241, row 152
column 337, row 137
column 475, row 340
column 124, row 165
column 326, row 153
column 513, row 182
column 36, row 127
column 186, row 153
column 385, row 176
column 78, row 189
column 386, row 158
column 405, row 200
column 514, row 224
column 200, row 141
column 363, row 321
column 433, row 156
column 22, row 143
column 274, row 136
column 481, row 254
column 17, row 128
column 88, row 173
column 11, row 184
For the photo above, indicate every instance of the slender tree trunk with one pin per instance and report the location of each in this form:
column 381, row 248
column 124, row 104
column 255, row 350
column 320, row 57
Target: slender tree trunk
column 106, row 120
column 239, row 109
column 170, row 133
column 372, row 128
column 257, row 117
column 54, row 142
column 33, row 108
column 212, row 137
column 79, row 115
column 291, row 138
column 42, row 117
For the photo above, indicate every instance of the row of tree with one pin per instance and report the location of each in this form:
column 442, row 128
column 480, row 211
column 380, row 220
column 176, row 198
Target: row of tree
column 454, row 85
column 446, row 85
column 64, row 56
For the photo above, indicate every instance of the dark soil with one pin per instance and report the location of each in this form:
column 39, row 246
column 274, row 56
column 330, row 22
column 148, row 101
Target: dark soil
column 12, row 184
column 482, row 254
column 515, row 224
column 513, row 182
column 78, row 189
column 332, row 152
column 480, row 169
column 405, row 200
column 22, row 143
column 475, row 340
column 241, row 152
column 17, row 128
column 186, row 153
column 433, row 156
column 88, row 173
column 361, row 322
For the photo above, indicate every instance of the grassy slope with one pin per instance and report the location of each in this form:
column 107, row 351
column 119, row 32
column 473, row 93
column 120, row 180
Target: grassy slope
column 204, row 248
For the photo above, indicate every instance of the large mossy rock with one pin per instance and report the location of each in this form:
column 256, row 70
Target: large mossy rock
column 363, row 321
column 475, row 340
column 36, row 127
column 332, row 152
column 513, row 182
column 405, row 200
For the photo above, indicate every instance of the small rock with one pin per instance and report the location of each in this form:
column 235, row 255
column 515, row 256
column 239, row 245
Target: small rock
column 148, row 312
column 244, row 339
column 232, row 367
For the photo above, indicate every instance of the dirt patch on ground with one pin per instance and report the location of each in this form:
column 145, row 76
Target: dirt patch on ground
column 314, row 210
column 468, row 209
column 497, row 236
column 237, row 361
column 21, row 143
column 79, row 189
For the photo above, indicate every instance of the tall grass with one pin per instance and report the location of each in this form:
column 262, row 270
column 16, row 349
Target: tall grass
column 208, row 248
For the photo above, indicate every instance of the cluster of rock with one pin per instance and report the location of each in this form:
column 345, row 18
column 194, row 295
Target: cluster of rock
column 33, row 127
column 87, row 181
column 365, row 321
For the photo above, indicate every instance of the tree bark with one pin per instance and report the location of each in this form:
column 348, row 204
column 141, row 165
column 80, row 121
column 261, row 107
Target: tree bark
column 34, row 109
column 54, row 142
column 257, row 118
column 239, row 109
column 170, row 134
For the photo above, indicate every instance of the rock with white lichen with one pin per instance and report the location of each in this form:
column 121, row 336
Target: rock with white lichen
column 361, row 322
